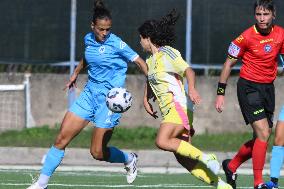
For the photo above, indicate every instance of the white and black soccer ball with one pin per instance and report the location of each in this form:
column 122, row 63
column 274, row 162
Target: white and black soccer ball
column 119, row 100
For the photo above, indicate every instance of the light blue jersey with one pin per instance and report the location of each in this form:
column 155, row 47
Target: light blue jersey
column 107, row 61
column 107, row 66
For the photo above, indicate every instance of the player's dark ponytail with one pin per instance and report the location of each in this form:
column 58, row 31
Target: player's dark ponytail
column 100, row 11
column 166, row 29
column 161, row 32
column 170, row 19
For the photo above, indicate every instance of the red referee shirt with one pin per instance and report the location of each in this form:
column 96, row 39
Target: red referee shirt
column 259, row 53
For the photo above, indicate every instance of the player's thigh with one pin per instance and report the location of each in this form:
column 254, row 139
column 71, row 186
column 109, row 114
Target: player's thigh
column 261, row 129
column 100, row 138
column 85, row 104
column 251, row 101
column 103, row 117
column 70, row 127
column 169, row 130
column 279, row 133
column 279, row 130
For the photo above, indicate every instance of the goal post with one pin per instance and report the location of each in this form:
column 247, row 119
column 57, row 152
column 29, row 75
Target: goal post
column 15, row 106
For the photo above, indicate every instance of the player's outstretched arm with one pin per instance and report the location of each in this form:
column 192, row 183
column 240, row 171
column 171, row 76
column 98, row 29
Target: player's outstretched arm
column 142, row 65
column 220, row 99
column 72, row 80
column 147, row 105
column 192, row 92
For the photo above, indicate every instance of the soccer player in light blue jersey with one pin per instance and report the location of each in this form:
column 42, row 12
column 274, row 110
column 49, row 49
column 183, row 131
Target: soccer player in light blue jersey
column 105, row 58
column 277, row 158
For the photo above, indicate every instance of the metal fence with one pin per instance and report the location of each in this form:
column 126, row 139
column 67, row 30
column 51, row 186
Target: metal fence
column 37, row 31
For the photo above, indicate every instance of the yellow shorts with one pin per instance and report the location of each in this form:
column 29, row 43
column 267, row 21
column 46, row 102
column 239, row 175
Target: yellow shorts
column 178, row 115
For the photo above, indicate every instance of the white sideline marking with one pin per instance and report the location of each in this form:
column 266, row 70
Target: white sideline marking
column 162, row 170
column 123, row 186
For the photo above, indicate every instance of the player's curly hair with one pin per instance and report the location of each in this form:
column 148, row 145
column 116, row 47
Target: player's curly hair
column 161, row 32
column 266, row 4
column 100, row 11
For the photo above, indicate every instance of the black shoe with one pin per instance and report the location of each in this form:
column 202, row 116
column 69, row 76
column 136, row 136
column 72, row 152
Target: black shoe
column 230, row 176
column 261, row 186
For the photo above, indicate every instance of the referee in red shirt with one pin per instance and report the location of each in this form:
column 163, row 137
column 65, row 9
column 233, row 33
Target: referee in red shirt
column 258, row 47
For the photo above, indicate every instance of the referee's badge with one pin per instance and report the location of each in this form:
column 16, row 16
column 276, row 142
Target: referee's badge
column 102, row 49
column 267, row 48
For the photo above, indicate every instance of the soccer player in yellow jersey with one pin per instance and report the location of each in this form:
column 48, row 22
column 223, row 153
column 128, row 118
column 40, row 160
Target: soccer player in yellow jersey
column 166, row 71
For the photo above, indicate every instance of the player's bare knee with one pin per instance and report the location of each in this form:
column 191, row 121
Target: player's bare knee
column 97, row 154
column 61, row 141
column 278, row 141
column 264, row 136
column 160, row 143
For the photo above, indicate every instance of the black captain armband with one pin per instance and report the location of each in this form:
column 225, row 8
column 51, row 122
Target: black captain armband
column 221, row 88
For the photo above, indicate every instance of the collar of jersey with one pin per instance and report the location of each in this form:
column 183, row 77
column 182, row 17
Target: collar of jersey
column 100, row 43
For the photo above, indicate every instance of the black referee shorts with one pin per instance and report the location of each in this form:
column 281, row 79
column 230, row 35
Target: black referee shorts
column 257, row 100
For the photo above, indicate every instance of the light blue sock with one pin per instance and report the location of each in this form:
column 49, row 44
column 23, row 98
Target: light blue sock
column 52, row 161
column 276, row 161
column 117, row 156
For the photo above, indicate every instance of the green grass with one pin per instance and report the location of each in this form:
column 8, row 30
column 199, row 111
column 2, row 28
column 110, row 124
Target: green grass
column 127, row 138
column 13, row 179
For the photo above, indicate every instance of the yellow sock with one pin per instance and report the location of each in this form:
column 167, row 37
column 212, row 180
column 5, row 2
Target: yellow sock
column 201, row 172
column 187, row 150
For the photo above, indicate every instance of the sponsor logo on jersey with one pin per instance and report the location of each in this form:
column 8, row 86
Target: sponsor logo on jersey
column 267, row 48
column 239, row 39
column 122, row 44
column 108, row 121
column 102, row 49
column 266, row 41
column 234, row 50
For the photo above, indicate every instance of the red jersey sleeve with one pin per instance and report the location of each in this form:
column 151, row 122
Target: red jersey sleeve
column 237, row 47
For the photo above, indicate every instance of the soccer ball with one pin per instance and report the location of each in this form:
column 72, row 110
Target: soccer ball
column 119, row 100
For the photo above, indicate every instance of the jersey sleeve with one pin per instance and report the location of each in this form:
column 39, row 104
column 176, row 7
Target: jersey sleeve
column 180, row 65
column 125, row 51
column 237, row 47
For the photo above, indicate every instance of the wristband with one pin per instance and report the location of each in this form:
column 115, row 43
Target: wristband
column 221, row 88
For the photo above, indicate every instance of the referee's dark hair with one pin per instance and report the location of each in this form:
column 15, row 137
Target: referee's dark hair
column 266, row 4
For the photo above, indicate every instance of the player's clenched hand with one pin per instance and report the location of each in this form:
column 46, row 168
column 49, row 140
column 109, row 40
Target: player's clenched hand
column 194, row 96
column 219, row 103
column 149, row 108
column 72, row 82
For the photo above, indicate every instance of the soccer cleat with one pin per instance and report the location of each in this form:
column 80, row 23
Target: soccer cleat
column 36, row 186
column 212, row 163
column 223, row 185
column 271, row 185
column 261, row 186
column 131, row 169
column 230, row 176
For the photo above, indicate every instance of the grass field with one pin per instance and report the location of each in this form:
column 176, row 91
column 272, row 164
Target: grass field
column 126, row 138
column 20, row 179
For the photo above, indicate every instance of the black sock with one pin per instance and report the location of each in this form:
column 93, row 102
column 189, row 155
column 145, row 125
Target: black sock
column 274, row 180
